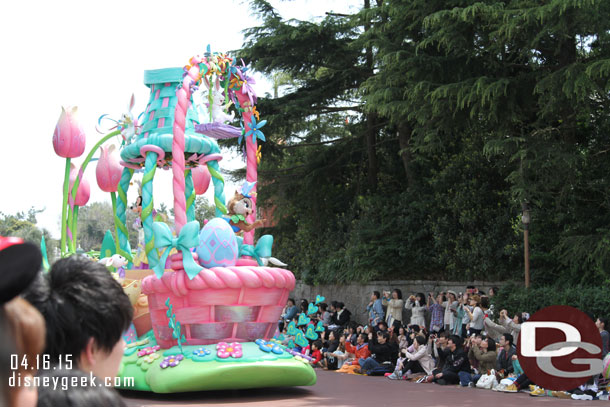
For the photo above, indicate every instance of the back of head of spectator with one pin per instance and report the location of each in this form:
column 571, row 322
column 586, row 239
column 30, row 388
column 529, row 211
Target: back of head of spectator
column 485, row 302
column 86, row 313
column 382, row 326
column 66, row 394
column 333, row 306
column 421, row 297
column 323, row 307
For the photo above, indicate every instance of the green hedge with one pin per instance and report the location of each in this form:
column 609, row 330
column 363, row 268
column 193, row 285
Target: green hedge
column 515, row 298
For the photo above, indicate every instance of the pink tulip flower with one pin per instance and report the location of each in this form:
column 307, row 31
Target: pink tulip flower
column 83, row 191
column 201, row 179
column 69, row 136
column 108, row 170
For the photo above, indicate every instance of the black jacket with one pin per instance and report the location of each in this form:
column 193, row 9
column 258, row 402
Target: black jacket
column 343, row 319
column 505, row 360
column 457, row 361
column 382, row 352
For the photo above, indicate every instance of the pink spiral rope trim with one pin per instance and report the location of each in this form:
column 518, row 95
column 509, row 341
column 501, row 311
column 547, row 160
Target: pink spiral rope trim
column 251, row 166
column 220, row 278
column 178, row 165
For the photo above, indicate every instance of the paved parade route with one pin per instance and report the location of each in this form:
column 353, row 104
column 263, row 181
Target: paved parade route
column 339, row 390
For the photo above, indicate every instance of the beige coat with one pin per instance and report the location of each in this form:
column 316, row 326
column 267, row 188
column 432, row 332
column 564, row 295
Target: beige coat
column 394, row 312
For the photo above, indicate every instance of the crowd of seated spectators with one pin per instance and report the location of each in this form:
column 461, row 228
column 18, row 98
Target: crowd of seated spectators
column 450, row 339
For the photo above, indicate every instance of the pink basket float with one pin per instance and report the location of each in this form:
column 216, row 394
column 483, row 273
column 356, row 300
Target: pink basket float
column 220, row 304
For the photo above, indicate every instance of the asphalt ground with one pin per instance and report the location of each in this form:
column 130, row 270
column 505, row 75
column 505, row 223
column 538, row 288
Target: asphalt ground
column 339, row 390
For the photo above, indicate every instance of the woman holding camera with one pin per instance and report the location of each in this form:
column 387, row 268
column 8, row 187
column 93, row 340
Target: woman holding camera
column 417, row 305
column 394, row 304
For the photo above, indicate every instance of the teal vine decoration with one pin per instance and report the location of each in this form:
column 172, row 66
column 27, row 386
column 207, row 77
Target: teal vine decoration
column 174, row 325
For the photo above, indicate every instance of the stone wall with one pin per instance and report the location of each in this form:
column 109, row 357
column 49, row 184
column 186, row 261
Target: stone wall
column 357, row 296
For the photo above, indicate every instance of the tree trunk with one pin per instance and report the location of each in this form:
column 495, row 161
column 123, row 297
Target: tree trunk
column 371, row 120
column 404, row 139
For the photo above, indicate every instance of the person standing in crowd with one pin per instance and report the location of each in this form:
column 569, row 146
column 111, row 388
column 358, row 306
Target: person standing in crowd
column 602, row 324
column 450, row 310
column 375, row 309
column 417, row 305
column 462, row 318
column 394, row 307
column 437, row 312
column 476, row 316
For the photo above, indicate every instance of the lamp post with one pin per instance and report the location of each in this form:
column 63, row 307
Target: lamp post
column 525, row 219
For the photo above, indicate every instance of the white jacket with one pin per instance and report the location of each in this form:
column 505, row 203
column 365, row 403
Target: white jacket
column 423, row 357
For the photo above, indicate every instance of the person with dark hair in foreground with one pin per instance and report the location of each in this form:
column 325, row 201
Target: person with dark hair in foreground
column 86, row 313
column 66, row 394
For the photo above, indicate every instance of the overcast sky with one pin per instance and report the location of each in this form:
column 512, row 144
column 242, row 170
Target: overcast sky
column 92, row 55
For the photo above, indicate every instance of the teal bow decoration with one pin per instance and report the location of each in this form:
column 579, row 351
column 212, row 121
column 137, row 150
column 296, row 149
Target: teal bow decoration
column 188, row 237
column 262, row 248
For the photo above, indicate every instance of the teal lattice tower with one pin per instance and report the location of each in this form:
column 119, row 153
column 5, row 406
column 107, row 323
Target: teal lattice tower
column 152, row 149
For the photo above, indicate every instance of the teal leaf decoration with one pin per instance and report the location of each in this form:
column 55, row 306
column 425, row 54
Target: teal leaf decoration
column 312, row 309
column 311, row 333
column 319, row 299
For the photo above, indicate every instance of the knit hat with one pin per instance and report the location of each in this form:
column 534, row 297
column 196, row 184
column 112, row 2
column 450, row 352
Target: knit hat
column 20, row 262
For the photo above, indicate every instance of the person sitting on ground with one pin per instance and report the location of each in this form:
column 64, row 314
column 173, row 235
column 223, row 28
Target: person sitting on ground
column 360, row 351
column 484, row 352
column 456, row 362
column 437, row 312
column 335, row 359
column 505, row 362
column 419, row 361
column 437, row 346
column 316, row 354
column 325, row 315
column 403, row 342
column 602, row 323
column 352, row 331
column 341, row 317
column 290, row 311
column 86, row 312
column 476, row 316
column 382, row 352
column 417, row 305
column 330, row 346
column 375, row 309
column 394, row 303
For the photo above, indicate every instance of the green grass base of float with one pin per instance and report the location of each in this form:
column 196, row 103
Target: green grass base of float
column 194, row 373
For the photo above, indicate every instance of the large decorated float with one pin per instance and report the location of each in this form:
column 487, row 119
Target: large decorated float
column 206, row 299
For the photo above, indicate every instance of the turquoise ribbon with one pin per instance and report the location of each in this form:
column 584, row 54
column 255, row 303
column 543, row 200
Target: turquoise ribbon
column 188, row 237
column 262, row 248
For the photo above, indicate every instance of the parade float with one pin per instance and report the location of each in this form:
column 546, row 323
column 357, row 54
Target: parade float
column 206, row 298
